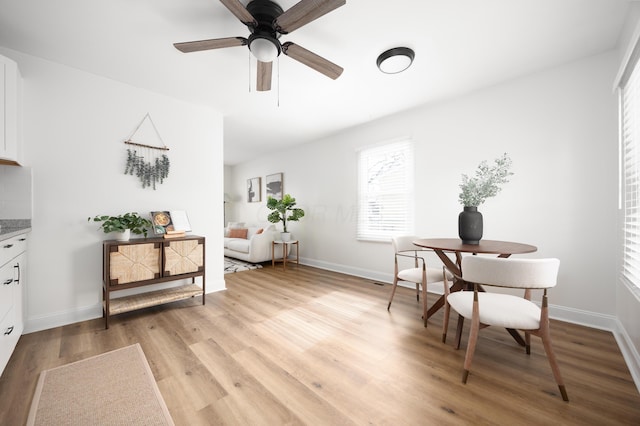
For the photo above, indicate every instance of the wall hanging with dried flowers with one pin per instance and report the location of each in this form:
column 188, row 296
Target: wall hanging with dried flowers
column 148, row 162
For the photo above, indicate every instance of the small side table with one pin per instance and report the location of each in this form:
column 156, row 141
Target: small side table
column 285, row 252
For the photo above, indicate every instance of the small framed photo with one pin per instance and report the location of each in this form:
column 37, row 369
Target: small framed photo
column 273, row 185
column 161, row 222
column 254, row 190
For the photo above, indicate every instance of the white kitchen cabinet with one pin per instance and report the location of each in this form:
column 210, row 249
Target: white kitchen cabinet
column 10, row 112
column 13, row 267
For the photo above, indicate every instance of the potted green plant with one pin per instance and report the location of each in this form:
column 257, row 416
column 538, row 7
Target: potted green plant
column 123, row 225
column 475, row 190
column 284, row 210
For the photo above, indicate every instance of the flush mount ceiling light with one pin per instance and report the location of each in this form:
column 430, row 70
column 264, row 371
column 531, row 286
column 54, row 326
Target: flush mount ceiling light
column 395, row 60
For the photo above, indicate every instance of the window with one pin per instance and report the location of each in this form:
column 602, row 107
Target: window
column 385, row 191
column 630, row 156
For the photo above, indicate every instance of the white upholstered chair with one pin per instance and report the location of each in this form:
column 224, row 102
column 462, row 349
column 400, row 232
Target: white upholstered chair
column 411, row 266
column 505, row 310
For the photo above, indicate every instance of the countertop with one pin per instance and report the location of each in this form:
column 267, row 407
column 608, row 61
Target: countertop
column 11, row 227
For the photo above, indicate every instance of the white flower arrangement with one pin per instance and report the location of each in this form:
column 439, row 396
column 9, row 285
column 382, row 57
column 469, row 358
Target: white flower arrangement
column 486, row 182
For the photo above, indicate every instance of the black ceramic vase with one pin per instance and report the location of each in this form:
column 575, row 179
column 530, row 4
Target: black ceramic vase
column 470, row 225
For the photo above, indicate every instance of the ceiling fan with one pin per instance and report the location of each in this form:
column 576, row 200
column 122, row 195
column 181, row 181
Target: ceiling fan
column 267, row 22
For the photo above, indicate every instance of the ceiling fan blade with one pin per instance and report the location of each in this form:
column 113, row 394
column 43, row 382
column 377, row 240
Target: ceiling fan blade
column 216, row 43
column 304, row 12
column 240, row 12
column 264, row 76
column 312, row 60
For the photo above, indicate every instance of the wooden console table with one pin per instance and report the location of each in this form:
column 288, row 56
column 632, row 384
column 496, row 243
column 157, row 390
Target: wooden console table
column 148, row 261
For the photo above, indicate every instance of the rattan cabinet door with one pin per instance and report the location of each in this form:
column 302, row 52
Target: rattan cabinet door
column 183, row 257
column 134, row 262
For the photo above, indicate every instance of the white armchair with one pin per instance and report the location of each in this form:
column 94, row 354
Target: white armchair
column 506, row 310
column 250, row 242
column 410, row 266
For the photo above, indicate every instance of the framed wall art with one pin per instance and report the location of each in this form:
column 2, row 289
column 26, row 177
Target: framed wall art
column 254, row 190
column 273, row 185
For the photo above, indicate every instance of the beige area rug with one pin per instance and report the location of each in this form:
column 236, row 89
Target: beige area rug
column 114, row 388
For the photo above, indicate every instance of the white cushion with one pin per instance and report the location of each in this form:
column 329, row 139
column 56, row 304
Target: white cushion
column 503, row 310
column 239, row 244
column 414, row 275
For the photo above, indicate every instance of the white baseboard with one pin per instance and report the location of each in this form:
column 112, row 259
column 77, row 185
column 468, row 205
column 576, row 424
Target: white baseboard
column 629, row 352
column 350, row 270
column 58, row 319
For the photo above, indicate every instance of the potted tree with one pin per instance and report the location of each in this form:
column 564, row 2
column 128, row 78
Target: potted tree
column 123, row 225
column 283, row 211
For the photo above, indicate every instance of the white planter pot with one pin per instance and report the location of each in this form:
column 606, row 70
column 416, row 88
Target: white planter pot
column 285, row 236
column 123, row 236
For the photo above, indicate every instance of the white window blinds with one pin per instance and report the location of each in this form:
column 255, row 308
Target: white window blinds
column 385, row 191
column 630, row 134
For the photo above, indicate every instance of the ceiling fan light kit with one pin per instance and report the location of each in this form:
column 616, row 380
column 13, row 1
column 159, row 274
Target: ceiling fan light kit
column 395, row 60
column 264, row 49
column 267, row 22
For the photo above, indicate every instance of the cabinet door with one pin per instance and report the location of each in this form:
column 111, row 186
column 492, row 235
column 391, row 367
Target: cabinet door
column 183, row 257
column 134, row 262
column 19, row 291
column 9, row 111
column 3, row 84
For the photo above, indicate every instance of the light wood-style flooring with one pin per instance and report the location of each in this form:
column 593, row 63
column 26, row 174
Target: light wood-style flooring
column 308, row 346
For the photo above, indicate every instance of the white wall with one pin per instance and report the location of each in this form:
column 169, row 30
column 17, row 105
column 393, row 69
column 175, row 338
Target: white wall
column 15, row 192
column 560, row 129
column 74, row 127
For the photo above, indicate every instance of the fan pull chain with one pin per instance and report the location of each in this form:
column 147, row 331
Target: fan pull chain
column 278, row 81
column 249, row 71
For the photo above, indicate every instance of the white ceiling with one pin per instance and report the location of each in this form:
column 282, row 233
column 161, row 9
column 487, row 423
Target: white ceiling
column 460, row 45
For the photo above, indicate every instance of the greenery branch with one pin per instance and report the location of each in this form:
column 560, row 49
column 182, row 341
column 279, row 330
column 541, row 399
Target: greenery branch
column 486, row 182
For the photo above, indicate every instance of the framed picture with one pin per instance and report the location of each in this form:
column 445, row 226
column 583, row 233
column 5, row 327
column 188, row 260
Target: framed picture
column 254, row 190
column 274, row 186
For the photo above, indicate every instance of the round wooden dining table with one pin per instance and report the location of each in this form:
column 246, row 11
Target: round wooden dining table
column 442, row 246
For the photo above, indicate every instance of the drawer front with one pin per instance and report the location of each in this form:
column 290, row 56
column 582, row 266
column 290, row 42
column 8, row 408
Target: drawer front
column 12, row 247
column 7, row 287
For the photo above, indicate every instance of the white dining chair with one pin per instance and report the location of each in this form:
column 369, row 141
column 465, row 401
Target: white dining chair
column 410, row 266
column 506, row 310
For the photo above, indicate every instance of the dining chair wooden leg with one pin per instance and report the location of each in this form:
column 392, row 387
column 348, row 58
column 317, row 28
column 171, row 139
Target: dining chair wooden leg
column 546, row 342
column 417, row 292
column 445, row 321
column 393, row 292
column 545, row 334
column 473, row 339
column 527, row 342
column 459, row 331
column 424, row 303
